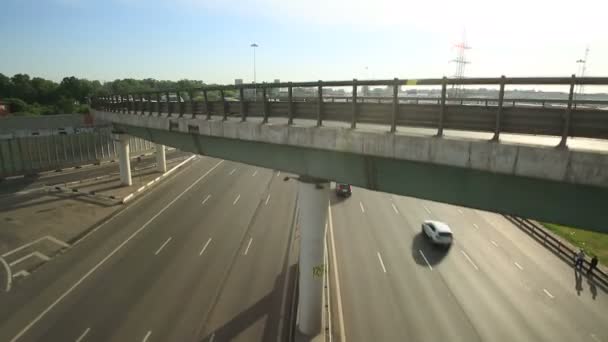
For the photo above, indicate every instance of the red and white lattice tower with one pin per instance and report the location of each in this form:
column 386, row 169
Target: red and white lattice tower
column 461, row 62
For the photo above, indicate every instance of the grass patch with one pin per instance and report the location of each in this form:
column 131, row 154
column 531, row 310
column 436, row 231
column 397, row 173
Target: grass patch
column 592, row 242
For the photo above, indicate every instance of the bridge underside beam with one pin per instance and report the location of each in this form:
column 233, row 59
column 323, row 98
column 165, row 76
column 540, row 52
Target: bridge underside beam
column 543, row 200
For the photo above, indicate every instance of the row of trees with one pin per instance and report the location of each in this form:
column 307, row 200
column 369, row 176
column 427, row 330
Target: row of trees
column 38, row 96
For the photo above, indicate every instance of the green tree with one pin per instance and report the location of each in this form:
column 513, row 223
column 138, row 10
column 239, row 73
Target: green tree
column 22, row 88
column 72, row 87
column 65, row 105
column 5, row 86
column 46, row 91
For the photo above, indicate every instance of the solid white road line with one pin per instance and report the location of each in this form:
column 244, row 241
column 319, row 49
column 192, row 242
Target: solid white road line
column 278, row 173
column 233, row 171
column 212, row 337
column 37, row 254
column 475, row 225
column 518, row 266
column 460, row 211
column 206, row 199
column 548, row 293
column 114, row 251
column 57, row 241
column 327, row 290
column 494, row 243
column 9, row 277
column 468, row 258
column 395, row 208
column 236, row 199
column 147, row 335
column 336, row 276
column 267, row 199
column 22, row 273
column 46, row 237
column 594, row 337
column 425, row 260
column 205, row 247
column 381, row 262
column 83, row 335
column 362, row 209
column 248, row 245
column 162, row 246
column 427, row 210
column 254, row 173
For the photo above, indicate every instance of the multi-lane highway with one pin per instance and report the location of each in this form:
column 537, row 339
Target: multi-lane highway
column 209, row 255
column 203, row 257
column 494, row 284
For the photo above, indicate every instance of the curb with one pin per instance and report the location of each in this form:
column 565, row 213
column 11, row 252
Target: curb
column 130, row 196
column 85, row 193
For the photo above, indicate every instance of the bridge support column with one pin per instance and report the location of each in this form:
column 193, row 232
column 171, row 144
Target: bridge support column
column 313, row 199
column 124, row 158
column 161, row 160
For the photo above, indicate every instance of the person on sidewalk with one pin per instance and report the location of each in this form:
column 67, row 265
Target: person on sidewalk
column 592, row 265
column 578, row 260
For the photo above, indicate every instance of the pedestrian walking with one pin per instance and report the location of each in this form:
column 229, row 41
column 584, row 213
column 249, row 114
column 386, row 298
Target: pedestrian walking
column 578, row 260
column 592, row 265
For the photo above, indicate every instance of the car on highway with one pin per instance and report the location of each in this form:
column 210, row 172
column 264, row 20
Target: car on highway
column 343, row 190
column 438, row 232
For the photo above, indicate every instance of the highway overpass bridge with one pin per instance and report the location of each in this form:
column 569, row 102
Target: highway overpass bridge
column 414, row 147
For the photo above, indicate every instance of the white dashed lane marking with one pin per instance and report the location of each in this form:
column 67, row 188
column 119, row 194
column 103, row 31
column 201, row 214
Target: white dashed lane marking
column 469, row 259
column 162, row 246
column 381, row 262
column 395, row 208
column 82, row 336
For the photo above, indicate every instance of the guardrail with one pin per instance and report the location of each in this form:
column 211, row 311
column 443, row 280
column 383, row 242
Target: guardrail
column 564, row 121
column 555, row 245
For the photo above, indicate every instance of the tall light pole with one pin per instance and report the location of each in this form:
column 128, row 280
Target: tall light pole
column 255, row 93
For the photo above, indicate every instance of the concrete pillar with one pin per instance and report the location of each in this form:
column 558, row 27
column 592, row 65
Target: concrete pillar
column 161, row 160
column 313, row 200
column 124, row 159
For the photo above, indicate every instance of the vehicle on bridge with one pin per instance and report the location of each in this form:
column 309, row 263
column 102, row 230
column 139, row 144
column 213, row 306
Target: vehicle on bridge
column 438, row 232
column 343, row 190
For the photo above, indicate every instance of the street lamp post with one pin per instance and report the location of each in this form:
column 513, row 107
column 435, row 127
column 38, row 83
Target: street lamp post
column 255, row 93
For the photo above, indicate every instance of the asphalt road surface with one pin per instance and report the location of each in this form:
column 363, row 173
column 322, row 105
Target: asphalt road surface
column 494, row 284
column 205, row 256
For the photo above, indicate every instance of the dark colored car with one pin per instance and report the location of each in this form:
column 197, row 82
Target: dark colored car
column 343, row 190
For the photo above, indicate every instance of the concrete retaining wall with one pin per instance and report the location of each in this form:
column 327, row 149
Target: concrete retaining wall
column 31, row 155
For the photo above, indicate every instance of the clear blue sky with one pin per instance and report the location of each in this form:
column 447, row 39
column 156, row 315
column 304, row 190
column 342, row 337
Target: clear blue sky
column 299, row 40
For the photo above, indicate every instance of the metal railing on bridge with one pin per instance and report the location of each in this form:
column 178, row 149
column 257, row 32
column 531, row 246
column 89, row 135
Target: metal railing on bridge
column 553, row 117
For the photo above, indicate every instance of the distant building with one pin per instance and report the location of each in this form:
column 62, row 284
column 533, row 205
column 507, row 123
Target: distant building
column 238, row 81
column 4, row 108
